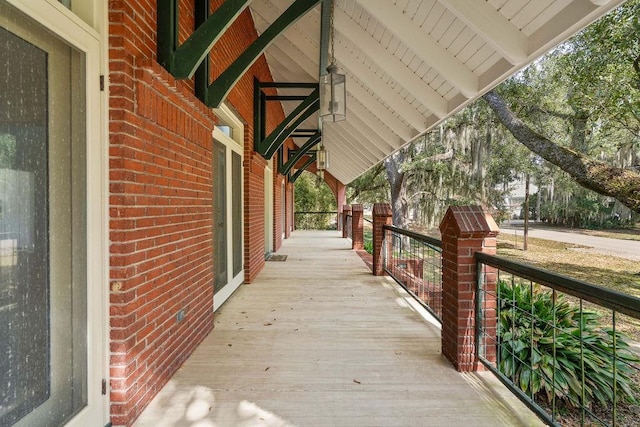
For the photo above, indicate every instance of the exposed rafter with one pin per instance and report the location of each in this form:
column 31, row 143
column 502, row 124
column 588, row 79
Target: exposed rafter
column 340, row 147
column 429, row 50
column 410, row 64
column 298, row 57
column 492, row 26
column 391, row 121
column 360, row 142
column 353, row 66
column 369, row 133
column 344, row 142
column 391, row 65
column 356, row 108
column 267, row 12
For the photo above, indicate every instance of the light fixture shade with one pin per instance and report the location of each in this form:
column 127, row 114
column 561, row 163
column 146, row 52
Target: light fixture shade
column 333, row 95
column 322, row 159
column 320, row 174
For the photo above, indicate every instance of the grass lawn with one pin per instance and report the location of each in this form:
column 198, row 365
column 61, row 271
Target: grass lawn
column 610, row 272
column 622, row 233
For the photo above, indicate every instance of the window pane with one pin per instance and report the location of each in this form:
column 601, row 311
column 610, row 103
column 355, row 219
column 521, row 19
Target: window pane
column 43, row 308
column 237, row 212
column 24, row 246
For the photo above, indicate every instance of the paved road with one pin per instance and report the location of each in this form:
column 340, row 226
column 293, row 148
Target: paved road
column 629, row 249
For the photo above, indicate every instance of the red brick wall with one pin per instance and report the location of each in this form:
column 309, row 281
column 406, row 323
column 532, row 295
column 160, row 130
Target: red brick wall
column 161, row 201
column 253, row 210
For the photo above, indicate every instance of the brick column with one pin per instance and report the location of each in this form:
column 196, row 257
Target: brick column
column 341, row 196
column 346, row 211
column 382, row 215
column 465, row 231
column 357, row 227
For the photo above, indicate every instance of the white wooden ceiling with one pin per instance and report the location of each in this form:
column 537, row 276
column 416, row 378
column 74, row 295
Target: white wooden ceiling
column 412, row 63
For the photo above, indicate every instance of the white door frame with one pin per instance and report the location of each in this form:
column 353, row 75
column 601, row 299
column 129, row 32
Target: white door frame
column 268, row 208
column 234, row 144
column 283, row 207
column 74, row 31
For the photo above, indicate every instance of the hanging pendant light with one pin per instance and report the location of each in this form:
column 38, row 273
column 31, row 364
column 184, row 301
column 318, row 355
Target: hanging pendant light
column 320, row 174
column 333, row 90
column 322, row 159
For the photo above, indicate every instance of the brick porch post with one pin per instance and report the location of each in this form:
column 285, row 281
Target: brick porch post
column 346, row 211
column 465, row 231
column 357, row 227
column 381, row 216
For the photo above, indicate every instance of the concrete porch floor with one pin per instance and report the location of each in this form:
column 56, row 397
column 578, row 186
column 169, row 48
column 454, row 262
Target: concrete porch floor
column 317, row 340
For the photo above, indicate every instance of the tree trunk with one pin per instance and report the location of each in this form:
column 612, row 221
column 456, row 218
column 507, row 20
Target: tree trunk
column 538, row 202
column 396, row 177
column 621, row 184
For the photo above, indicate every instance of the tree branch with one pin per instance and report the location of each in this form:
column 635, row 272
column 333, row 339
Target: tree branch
column 621, row 184
column 440, row 157
column 552, row 113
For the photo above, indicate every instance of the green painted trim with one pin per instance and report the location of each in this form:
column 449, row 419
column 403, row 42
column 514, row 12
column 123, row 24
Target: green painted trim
column 288, row 85
column 285, row 97
column 281, row 160
column 303, row 133
column 258, row 123
column 312, row 158
column 277, row 142
column 195, row 49
column 290, row 163
column 182, row 61
column 201, row 81
column 220, row 88
column 167, row 32
column 269, row 145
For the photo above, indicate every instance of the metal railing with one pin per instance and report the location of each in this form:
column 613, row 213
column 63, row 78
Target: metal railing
column 415, row 262
column 316, row 220
column 569, row 349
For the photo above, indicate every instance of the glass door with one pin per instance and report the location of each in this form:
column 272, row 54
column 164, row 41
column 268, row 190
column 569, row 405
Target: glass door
column 268, row 210
column 283, row 208
column 227, row 210
column 43, row 225
column 220, row 214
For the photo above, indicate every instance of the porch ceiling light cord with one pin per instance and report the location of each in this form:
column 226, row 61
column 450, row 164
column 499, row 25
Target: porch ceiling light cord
column 333, row 91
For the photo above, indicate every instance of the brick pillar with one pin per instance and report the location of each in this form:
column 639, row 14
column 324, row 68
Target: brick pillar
column 465, row 231
column 382, row 215
column 346, row 211
column 357, row 227
column 341, row 196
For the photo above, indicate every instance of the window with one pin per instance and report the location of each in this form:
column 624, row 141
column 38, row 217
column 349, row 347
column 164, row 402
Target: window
column 44, row 223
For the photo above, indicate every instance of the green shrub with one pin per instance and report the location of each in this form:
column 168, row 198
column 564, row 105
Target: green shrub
column 368, row 246
column 527, row 348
